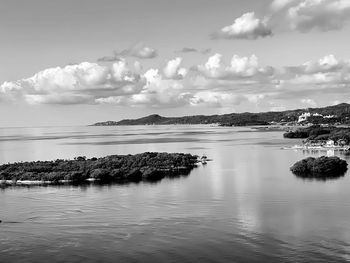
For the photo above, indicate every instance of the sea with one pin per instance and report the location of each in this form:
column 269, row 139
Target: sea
column 244, row 205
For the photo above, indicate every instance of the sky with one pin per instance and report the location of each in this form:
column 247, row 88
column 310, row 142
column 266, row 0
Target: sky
column 76, row 62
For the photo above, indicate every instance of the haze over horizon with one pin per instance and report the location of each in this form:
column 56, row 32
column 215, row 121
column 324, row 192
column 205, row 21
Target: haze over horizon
column 84, row 61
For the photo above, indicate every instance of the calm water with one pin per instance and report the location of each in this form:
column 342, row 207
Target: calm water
column 245, row 206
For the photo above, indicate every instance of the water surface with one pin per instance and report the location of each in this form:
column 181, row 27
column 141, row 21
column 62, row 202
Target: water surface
column 243, row 206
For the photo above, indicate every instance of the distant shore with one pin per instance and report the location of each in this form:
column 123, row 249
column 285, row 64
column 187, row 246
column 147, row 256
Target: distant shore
column 149, row 166
column 331, row 115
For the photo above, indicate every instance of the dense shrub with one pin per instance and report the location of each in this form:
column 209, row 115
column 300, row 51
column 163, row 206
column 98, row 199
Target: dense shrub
column 296, row 135
column 322, row 167
column 316, row 132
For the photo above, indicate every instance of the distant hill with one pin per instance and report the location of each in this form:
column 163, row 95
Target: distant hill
column 340, row 111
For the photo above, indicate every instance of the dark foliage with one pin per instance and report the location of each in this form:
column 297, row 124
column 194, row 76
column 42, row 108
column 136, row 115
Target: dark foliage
column 145, row 166
column 320, row 168
column 319, row 133
column 299, row 134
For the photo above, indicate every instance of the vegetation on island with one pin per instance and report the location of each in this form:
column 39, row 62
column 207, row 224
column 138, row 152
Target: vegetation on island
column 320, row 168
column 319, row 133
column 341, row 111
column 144, row 166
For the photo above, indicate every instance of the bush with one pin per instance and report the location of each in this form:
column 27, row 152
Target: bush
column 296, row 135
column 322, row 167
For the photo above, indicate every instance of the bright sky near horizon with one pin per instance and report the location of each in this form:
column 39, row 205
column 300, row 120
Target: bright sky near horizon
column 81, row 61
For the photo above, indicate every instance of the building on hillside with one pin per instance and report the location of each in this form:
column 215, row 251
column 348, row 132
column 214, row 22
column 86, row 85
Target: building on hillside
column 304, row 116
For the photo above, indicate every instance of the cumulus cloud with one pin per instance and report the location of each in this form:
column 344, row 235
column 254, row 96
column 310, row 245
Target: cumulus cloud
column 328, row 63
column 305, row 15
column 321, row 14
column 248, row 26
column 173, row 70
column 215, row 83
column 325, row 70
column 239, row 67
column 289, row 15
column 210, row 85
column 157, row 91
column 80, row 83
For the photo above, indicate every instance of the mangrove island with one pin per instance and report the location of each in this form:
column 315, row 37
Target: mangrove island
column 121, row 168
column 321, row 168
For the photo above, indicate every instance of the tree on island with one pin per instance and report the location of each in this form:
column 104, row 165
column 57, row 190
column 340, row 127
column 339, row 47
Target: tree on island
column 321, row 168
column 144, row 166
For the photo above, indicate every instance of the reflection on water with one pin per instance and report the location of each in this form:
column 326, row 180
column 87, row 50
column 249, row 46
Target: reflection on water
column 245, row 206
column 322, row 178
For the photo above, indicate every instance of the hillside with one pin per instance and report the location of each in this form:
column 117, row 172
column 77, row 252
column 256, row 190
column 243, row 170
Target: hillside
column 341, row 114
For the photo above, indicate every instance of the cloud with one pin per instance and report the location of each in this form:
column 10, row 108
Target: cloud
column 326, row 64
column 309, row 102
column 109, row 58
column 216, row 83
column 306, row 15
column 156, row 92
column 325, row 70
column 194, row 50
column 188, row 50
column 73, row 84
column 289, row 15
column 172, row 69
column 239, row 67
column 324, row 15
column 140, row 51
column 280, row 4
column 215, row 99
column 248, row 26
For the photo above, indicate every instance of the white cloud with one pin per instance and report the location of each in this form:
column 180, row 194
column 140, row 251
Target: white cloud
column 280, row 4
column 321, row 78
column 244, row 66
column 328, row 63
column 248, row 26
column 239, row 67
column 290, row 15
column 305, row 15
column 322, row 14
column 215, row 99
column 215, row 83
column 325, row 70
column 141, row 51
column 309, row 102
column 213, row 67
column 172, row 69
column 121, row 72
column 80, row 83
column 156, row 91
column 159, row 91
